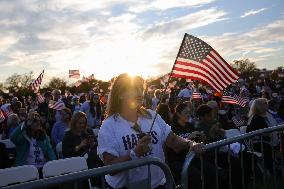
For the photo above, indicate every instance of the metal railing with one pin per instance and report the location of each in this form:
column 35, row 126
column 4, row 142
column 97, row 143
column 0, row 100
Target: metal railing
column 248, row 141
column 101, row 171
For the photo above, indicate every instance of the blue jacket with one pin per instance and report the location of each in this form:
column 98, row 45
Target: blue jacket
column 21, row 141
column 58, row 132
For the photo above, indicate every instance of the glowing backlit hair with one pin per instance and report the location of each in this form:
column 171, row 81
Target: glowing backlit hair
column 122, row 84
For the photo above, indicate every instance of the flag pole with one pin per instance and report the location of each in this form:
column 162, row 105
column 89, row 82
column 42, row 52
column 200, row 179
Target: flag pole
column 167, row 84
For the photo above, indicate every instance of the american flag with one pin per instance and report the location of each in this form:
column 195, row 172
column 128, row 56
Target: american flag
column 2, row 116
column 36, row 83
column 242, row 101
column 74, row 74
column 59, row 105
column 238, row 121
column 78, row 83
column 197, row 60
column 40, row 98
column 196, row 95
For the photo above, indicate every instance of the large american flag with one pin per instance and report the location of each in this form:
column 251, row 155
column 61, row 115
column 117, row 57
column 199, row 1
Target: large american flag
column 36, row 83
column 197, row 60
column 242, row 101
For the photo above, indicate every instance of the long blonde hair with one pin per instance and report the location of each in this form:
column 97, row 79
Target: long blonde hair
column 122, row 84
column 257, row 107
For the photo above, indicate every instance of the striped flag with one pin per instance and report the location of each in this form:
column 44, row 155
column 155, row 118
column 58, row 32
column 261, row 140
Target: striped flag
column 74, row 74
column 242, row 101
column 78, row 83
column 196, row 95
column 238, row 121
column 40, row 98
column 36, row 83
column 197, row 60
column 2, row 116
column 59, row 105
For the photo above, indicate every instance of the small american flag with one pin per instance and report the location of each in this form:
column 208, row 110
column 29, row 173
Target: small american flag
column 197, row 60
column 242, row 101
column 2, row 116
column 59, row 105
column 40, row 98
column 238, row 121
column 78, row 83
column 74, row 74
column 196, row 95
column 36, row 83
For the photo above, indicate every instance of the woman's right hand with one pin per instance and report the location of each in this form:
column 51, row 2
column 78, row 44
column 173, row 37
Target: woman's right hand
column 83, row 143
column 143, row 146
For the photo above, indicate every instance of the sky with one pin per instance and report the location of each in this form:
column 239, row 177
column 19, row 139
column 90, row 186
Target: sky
column 109, row 37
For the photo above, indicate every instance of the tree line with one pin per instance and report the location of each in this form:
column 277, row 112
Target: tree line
column 20, row 83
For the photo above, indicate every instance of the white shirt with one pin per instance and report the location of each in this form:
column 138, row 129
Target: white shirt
column 185, row 93
column 35, row 156
column 117, row 138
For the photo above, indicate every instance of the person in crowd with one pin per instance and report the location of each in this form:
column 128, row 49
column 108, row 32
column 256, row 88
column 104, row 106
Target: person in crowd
column 44, row 110
column 244, row 92
column 156, row 99
column 257, row 115
column 215, row 109
column 56, row 94
column 163, row 110
column 265, row 94
column 6, row 108
column 22, row 115
column 61, row 126
column 12, row 123
column 258, row 120
column 93, row 109
column 82, row 98
column 208, row 124
column 181, row 127
column 80, row 140
column 16, row 106
column 57, row 97
column 273, row 117
column 122, row 136
column 147, row 97
column 32, row 144
column 76, row 105
column 186, row 93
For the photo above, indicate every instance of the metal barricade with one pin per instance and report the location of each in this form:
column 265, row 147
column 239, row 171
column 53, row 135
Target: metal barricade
column 274, row 178
column 101, row 171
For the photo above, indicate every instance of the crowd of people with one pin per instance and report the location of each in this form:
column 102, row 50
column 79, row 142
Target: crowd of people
column 126, row 131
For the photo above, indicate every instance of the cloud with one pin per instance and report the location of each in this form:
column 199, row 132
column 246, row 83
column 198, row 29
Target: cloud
column 194, row 20
column 106, row 38
column 161, row 5
column 260, row 44
column 253, row 12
